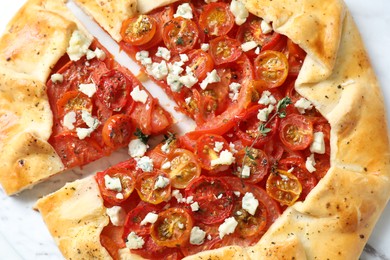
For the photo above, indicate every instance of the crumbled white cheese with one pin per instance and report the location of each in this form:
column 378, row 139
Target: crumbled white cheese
column 112, row 183
column 190, row 199
column 166, row 165
column 90, row 54
column 232, row 148
column 163, row 53
column 225, row 158
column 91, row 122
column 184, row 58
column 257, row 51
column 188, row 80
column 264, row 113
column 88, row 89
column 247, row 46
column 237, row 193
column 117, row 215
column 265, row 27
column 143, row 57
column 69, row 120
column 234, row 89
column 218, row 146
column 188, row 100
column 165, row 147
column 185, row 11
column 246, row 172
column 139, row 95
column 205, row 47
column 83, row 133
column 310, row 163
column 161, row 182
column 239, row 11
column 57, row 78
column 238, row 213
column 134, row 242
column 100, row 54
column 197, row 236
column 174, row 82
column 194, row 206
column 158, row 70
column 78, row 45
column 267, row 98
column 318, row 145
column 302, row 104
column 250, row 203
column 149, row 218
column 145, row 163
column 179, row 197
column 119, row 196
column 227, row 227
column 212, row 77
column 137, row 148
column 175, row 68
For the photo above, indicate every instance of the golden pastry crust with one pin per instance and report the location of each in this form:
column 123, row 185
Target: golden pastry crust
column 109, row 14
column 336, row 219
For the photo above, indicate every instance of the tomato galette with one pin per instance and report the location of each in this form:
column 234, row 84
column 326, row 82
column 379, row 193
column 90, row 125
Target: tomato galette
column 282, row 94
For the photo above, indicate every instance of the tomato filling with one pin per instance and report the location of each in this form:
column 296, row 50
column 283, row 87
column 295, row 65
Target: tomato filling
column 259, row 146
column 93, row 108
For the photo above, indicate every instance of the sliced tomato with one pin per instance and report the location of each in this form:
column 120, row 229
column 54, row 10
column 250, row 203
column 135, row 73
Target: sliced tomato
column 135, row 217
column 160, row 119
column 138, row 30
column 117, row 131
column 111, row 239
column 271, row 68
column 296, row 132
column 207, row 151
column 214, row 198
column 151, row 250
column 75, row 152
column 224, row 50
column 75, row 101
column 180, row 35
column 296, row 56
column 183, row 167
column 216, row 19
column 200, row 63
column 126, row 177
column 257, row 161
column 172, row 228
column 114, row 90
column 249, row 128
column 145, row 186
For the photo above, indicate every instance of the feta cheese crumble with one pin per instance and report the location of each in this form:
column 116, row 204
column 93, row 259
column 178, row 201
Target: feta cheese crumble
column 112, row 183
column 137, row 148
column 303, row 104
column 139, row 95
column 318, row 145
column 69, row 120
column 246, row 172
column 212, row 77
column 227, row 227
column 163, row 53
column 264, row 113
column 265, row 27
column 88, row 89
column 218, row 146
column 158, row 70
column 267, row 98
column 134, row 242
column 205, row 47
column 247, row 46
column 117, row 215
column 197, row 236
column 234, row 89
column 161, row 182
column 250, row 203
column 149, row 218
column 143, row 57
column 185, row 11
column 145, row 163
column 310, row 163
column 57, row 78
column 239, row 11
column 194, row 206
column 78, row 45
column 225, row 158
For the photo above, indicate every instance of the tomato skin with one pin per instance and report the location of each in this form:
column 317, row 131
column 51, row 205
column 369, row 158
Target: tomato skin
column 145, row 187
column 180, row 35
column 284, row 187
column 135, row 217
column 216, row 19
column 296, row 132
column 258, row 162
column 114, row 90
column 168, row 222
column 183, row 168
column 205, row 150
column 75, row 101
column 117, row 131
column 138, row 30
column 296, row 56
column 224, row 50
column 200, row 62
column 271, row 68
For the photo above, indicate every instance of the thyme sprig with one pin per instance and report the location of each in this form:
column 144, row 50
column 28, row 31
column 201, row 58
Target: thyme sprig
column 141, row 136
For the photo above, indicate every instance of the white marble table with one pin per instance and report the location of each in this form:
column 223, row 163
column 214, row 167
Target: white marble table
column 23, row 234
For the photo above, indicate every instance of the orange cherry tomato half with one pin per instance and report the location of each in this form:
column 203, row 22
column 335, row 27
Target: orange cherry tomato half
column 117, row 131
column 126, row 178
column 216, row 19
column 283, row 187
column 139, row 30
column 180, row 35
column 114, row 90
column 181, row 167
column 74, row 101
column 147, row 191
column 257, row 161
column 224, row 49
column 271, row 67
column 172, row 228
column 208, row 148
column 296, row 132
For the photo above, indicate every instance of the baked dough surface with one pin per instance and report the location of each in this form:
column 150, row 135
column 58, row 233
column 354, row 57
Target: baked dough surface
column 336, row 219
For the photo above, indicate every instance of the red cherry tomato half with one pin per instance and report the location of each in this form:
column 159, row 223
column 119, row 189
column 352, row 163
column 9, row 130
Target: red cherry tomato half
column 135, row 217
column 296, row 132
column 257, row 161
column 139, row 30
column 180, row 35
column 117, row 131
column 75, row 101
column 271, row 68
column 172, row 228
column 114, row 90
column 216, row 19
column 224, row 49
column 208, row 148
